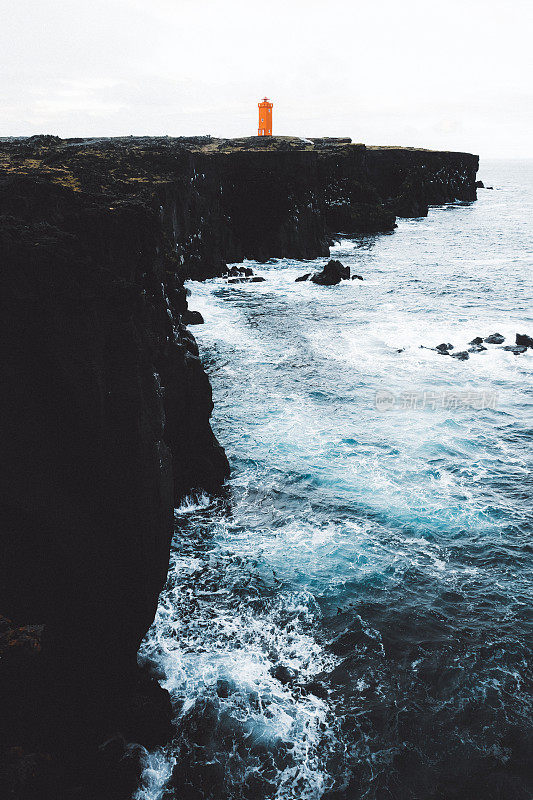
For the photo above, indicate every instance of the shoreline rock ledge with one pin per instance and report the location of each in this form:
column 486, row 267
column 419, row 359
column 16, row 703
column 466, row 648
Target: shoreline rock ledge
column 105, row 406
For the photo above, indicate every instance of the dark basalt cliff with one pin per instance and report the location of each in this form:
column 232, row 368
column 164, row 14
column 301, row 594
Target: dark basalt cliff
column 104, row 423
column 105, row 406
column 225, row 200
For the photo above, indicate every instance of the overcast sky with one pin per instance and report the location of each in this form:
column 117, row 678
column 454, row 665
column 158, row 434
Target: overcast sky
column 455, row 75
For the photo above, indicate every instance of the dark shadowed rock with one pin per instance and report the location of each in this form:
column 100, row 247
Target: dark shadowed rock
column 236, row 272
column 524, row 339
column 462, row 355
column 225, row 687
column 356, row 218
column 247, row 279
column 192, row 318
column 357, row 277
column 476, row 340
column 283, row 674
column 105, row 409
column 334, row 272
column 303, row 193
column 303, row 277
column 515, row 348
column 106, row 406
column 495, row 338
column 317, row 688
column 444, row 348
column 480, row 185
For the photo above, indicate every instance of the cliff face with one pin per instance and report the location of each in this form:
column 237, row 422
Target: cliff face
column 104, row 416
column 104, row 423
column 225, row 200
column 289, row 199
column 410, row 180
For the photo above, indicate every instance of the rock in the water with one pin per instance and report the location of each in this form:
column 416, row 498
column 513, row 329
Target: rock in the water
column 441, row 352
column 334, row 272
column 192, row 318
column 462, row 355
column 317, row 688
column 247, row 279
column 524, row 339
column 477, row 348
column 480, row 185
column 495, row 338
column 303, row 277
column 283, row 674
column 237, row 272
column 357, row 277
column 444, row 347
column 477, row 340
column 515, row 348
column 225, row 687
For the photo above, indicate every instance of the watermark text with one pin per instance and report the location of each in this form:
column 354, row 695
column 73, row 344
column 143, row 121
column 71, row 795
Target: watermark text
column 448, row 400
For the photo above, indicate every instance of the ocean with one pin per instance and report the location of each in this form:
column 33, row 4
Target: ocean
column 353, row 618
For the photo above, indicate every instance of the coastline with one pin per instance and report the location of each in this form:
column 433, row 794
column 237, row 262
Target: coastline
column 106, row 417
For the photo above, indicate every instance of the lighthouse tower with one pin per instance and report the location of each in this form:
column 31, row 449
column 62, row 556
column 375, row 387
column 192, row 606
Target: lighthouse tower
column 265, row 117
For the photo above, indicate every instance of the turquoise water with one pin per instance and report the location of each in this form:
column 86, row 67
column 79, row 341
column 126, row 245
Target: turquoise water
column 354, row 619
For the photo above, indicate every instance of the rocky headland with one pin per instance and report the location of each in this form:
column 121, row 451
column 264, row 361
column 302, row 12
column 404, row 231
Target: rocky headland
column 105, row 405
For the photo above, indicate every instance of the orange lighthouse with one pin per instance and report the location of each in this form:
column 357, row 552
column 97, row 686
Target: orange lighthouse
column 265, row 117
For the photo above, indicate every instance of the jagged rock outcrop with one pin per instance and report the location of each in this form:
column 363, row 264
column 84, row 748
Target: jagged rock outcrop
column 524, row 339
column 332, row 274
column 495, row 338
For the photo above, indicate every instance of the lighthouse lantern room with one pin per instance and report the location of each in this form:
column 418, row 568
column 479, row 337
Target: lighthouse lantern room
column 265, row 117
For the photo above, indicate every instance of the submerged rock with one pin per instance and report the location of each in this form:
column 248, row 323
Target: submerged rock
column 515, row 348
column 225, row 687
column 477, row 348
column 334, row 272
column 495, row 338
column 283, row 674
column 462, row 355
column 317, row 688
column 524, row 339
column 192, row 318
